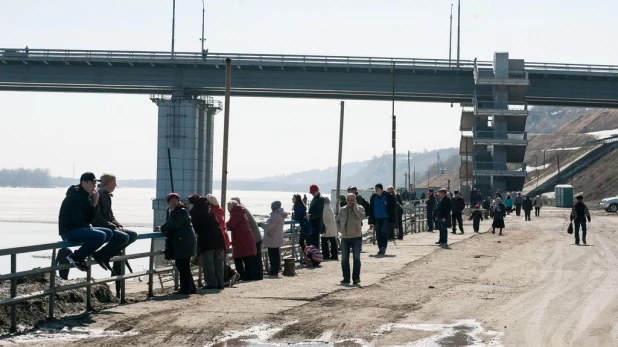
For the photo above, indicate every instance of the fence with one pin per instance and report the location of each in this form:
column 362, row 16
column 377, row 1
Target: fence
column 414, row 221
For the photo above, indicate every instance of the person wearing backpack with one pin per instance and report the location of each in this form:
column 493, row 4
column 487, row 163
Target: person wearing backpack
column 579, row 214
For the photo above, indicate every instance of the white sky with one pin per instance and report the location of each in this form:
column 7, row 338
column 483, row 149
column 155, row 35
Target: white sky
column 117, row 133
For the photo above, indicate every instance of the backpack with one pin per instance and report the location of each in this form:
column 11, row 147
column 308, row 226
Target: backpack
column 313, row 256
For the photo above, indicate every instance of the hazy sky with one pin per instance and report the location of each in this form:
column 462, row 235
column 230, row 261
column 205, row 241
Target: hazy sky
column 117, row 133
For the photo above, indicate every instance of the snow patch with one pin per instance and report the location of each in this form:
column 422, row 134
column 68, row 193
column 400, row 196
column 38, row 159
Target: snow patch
column 603, row 134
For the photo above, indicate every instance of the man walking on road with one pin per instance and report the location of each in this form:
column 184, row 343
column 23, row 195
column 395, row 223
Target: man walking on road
column 458, row 206
column 382, row 209
column 431, row 203
column 518, row 203
column 349, row 222
column 527, row 205
column 443, row 217
column 538, row 203
column 579, row 214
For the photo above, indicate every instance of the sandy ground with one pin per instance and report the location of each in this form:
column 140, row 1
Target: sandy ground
column 530, row 287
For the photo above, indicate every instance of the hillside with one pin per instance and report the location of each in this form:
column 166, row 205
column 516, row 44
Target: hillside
column 569, row 143
column 549, row 119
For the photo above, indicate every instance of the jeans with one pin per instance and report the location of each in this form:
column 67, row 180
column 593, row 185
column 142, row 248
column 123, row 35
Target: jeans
column 332, row 252
column 457, row 218
column 400, row 226
column 244, row 267
column 537, row 211
column 518, row 209
column 443, row 227
column 212, row 264
column 92, row 239
column 430, row 219
column 583, row 226
column 354, row 243
column 382, row 227
column 527, row 214
column 258, row 264
column 274, row 258
column 186, row 276
column 115, row 245
column 117, row 266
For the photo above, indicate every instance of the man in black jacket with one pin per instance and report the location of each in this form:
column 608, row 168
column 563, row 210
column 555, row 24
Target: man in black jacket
column 431, row 203
column 104, row 218
column 76, row 215
column 443, row 217
column 316, row 215
column 359, row 199
column 527, row 205
column 579, row 214
column 458, row 206
column 382, row 214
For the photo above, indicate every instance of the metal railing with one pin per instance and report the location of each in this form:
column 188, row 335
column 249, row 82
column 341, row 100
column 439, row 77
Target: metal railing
column 89, row 282
column 242, row 59
column 192, row 57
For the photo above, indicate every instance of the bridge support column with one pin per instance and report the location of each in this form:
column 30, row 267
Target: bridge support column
column 186, row 129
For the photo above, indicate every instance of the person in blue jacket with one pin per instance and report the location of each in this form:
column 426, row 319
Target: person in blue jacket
column 300, row 211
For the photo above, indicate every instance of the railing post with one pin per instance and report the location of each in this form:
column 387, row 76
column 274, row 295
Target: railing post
column 122, row 282
column 52, row 284
column 89, row 289
column 13, row 293
column 151, row 269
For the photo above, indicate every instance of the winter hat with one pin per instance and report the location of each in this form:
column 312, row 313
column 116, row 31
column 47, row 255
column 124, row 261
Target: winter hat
column 275, row 205
column 476, row 206
column 212, row 200
column 313, row 189
column 170, row 196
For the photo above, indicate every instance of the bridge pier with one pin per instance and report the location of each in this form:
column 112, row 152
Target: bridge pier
column 186, row 129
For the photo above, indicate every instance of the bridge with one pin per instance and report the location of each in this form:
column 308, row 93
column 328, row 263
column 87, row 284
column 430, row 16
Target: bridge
column 494, row 96
column 297, row 76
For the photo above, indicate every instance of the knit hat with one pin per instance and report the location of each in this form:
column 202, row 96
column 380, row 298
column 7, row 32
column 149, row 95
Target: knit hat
column 476, row 206
column 313, row 189
column 275, row 205
column 212, row 200
column 170, row 196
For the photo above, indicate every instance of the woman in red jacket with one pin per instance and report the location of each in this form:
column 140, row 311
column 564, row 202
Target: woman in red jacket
column 218, row 211
column 243, row 242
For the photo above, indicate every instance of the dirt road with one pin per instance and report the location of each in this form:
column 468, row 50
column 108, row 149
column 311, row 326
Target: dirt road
column 530, row 287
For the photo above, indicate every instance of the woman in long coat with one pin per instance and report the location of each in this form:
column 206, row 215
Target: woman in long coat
column 331, row 234
column 219, row 213
column 273, row 236
column 498, row 212
column 300, row 211
column 243, row 242
column 210, row 243
column 180, row 242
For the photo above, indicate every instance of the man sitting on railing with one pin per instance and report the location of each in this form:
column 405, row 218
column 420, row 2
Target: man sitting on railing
column 104, row 218
column 74, row 221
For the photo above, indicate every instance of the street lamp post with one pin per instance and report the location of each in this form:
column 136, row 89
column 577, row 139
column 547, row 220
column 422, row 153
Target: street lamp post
column 173, row 23
column 203, row 14
column 536, row 168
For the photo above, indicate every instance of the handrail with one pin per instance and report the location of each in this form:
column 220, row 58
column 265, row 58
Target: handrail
column 21, row 54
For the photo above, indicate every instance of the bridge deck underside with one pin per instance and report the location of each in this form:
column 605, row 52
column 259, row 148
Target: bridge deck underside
column 299, row 80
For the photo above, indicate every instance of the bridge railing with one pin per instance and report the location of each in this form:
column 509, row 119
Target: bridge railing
column 197, row 57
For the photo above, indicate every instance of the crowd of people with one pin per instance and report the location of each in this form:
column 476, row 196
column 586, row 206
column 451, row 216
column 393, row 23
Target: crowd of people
column 197, row 232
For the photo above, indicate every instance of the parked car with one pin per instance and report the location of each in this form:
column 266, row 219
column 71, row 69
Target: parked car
column 610, row 204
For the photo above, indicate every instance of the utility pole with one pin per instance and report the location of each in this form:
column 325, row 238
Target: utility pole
column 394, row 135
column 414, row 177
column 203, row 15
column 226, row 130
column 458, row 28
column 450, row 38
column 339, row 158
column 173, row 24
column 409, row 182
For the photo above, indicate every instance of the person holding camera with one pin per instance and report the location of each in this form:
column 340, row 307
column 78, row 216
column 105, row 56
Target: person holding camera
column 349, row 222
